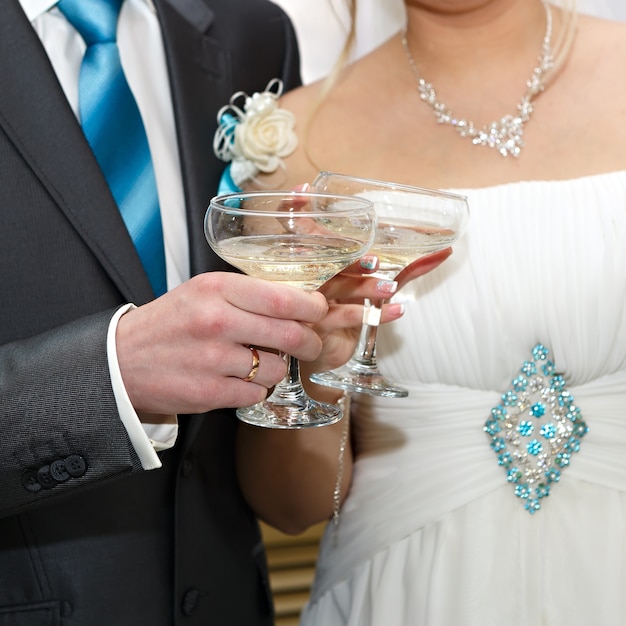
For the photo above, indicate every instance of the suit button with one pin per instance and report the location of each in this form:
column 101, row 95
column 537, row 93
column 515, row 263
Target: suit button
column 190, row 601
column 30, row 482
column 58, row 471
column 45, row 477
column 75, row 465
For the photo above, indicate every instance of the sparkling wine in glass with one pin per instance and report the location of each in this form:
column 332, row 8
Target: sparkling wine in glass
column 412, row 222
column 300, row 239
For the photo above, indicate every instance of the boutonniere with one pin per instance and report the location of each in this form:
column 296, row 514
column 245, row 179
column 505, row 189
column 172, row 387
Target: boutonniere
column 254, row 134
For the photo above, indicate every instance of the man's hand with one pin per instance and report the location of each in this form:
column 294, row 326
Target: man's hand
column 187, row 351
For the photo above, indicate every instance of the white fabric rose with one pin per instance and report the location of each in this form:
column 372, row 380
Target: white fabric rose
column 265, row 135
column 255, row 137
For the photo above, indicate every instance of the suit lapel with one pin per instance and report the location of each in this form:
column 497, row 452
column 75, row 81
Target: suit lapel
column 210, row 57
column 36, row 117
column 201, row 83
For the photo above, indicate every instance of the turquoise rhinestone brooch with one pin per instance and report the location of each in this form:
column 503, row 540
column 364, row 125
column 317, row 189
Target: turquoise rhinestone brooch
column 535, row 430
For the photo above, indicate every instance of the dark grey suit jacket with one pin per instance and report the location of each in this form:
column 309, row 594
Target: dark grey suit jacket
column 86, row 537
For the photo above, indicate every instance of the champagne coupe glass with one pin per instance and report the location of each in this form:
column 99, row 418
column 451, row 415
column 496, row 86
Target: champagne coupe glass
column 293, row 238
column 412, row 222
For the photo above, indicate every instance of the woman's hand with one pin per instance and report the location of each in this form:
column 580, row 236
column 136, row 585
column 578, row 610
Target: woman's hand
column 339, row 330
column 422, row 266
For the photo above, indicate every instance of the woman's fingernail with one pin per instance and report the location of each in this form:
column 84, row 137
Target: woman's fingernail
column 396, row 310
column 386, row 287
column 302, row 187
column 368, row 262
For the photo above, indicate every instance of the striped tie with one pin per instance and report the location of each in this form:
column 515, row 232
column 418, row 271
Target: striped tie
column 113, row 127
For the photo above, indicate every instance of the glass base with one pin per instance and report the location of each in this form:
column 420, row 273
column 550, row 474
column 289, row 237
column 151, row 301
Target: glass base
column 306, row 413
column 370, row 382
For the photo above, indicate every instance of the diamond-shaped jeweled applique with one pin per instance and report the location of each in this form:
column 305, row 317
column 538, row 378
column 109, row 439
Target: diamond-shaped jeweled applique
column 535, row 429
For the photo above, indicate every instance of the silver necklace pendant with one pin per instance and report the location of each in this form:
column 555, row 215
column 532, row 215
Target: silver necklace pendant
column 505, row 135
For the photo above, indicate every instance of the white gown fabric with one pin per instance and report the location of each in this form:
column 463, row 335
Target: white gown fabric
column 432, row 534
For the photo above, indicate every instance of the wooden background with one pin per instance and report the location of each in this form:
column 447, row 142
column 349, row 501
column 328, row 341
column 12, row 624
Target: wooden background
column 291, row 561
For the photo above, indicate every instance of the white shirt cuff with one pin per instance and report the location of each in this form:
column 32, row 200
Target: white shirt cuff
column 146, row 439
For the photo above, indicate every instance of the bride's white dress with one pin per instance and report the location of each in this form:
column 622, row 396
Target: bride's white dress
column 432, row 533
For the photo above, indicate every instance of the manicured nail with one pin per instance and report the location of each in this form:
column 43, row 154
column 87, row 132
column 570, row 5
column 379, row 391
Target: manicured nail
column 396, row 310
column 302, row 187
column 386, row 287
column 368, row 262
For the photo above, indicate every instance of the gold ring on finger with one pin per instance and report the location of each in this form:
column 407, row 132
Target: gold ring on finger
column 255, row 365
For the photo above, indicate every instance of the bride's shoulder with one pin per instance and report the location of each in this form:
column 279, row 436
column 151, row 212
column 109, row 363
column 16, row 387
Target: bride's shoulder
column 598, row 55
column 300, row 100
column 596, row 33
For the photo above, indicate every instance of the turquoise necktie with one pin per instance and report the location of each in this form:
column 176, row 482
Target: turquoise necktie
column 114, row 130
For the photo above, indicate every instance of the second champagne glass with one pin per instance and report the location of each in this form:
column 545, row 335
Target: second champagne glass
column 412, row 222
column 299, row 239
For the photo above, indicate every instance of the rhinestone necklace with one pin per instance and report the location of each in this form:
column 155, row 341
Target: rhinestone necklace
column 506, row 134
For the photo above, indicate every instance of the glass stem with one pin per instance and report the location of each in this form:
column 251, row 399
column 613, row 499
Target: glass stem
column 292, row 379
column 365, row 353
column 290, row 388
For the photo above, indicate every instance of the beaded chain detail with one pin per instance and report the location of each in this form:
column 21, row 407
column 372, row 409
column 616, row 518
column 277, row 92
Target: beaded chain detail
column 344, row 404
column 535, row 429
column 505, row 134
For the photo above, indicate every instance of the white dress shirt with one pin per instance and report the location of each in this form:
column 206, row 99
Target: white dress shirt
column 143, row 60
